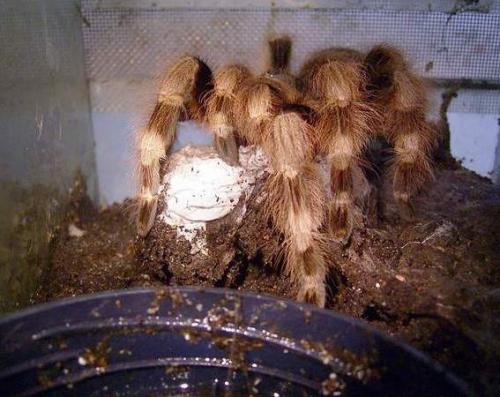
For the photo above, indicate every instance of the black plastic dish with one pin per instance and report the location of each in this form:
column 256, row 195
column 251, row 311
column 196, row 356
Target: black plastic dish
column 205, row 342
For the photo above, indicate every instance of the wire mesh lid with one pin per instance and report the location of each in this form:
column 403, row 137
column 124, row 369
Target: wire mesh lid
column 134, row 43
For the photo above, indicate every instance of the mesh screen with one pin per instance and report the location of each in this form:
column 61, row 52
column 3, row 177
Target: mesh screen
column 127, row 46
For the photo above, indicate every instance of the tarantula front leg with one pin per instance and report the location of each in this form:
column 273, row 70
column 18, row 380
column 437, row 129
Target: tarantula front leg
column 181, row 93
column 333, row 80
column 221, row 115
column 296, row 203
column 295, row 195
column 402, row 96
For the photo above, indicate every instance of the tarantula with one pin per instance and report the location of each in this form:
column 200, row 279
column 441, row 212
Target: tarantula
column 340, row 100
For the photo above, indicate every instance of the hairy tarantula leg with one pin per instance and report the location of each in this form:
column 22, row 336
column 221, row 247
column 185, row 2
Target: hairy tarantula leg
column 257, row 105
column 413, row 165
column 280, row 52
column 340, row 221
column 227, row 147
column 312, row 287
column 221, row 114
column 181, row 90
column 403, row 96
column 295, row 203
column 279, row 55
column 335, row 80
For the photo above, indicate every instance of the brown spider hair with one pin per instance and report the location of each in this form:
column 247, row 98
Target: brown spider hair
column 334, row 81
column 295, row 203
column 280, row 53
column 402, row 96
column 221, row 116
column 180, row 95
column 259, row 102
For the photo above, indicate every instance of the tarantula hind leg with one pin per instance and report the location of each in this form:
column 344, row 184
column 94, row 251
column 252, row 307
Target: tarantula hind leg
column 339, row 211
column 221, row 116
column 334, row 80
column 402, row 95
column 180, row 95
column 414, row 140
column 412, row 168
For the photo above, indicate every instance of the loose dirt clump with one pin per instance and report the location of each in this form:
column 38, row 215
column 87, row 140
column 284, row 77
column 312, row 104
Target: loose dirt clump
column 433, row 282
column 94, row 252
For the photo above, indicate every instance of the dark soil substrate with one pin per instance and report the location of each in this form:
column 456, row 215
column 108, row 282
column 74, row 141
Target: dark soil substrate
column 434, row 282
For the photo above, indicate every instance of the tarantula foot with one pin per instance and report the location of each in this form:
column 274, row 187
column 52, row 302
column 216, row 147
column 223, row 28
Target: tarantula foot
column 406, row 208
column 341, row 234
column 227, row 148
column 339, row 225
column 146, row 215
column 312, row 295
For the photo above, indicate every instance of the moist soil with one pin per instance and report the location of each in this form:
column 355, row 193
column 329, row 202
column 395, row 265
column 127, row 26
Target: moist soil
column 433, row 282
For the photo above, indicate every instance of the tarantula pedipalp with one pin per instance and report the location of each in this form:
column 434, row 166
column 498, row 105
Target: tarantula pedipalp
column 330, row 109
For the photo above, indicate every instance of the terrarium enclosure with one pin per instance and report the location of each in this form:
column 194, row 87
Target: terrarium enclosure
column 79, row 78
